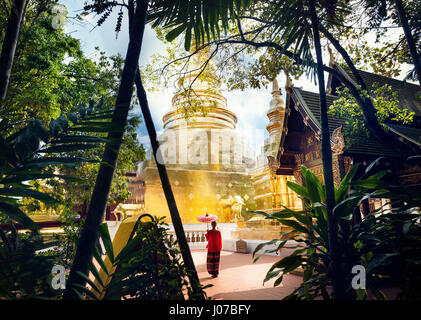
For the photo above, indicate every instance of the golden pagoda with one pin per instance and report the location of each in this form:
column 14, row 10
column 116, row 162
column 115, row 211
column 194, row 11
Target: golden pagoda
column 209, row 164
column 204, row 156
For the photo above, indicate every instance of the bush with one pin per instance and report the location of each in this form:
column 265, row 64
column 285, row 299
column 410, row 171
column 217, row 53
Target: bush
column 23, row 273
column 387, row 246
column 149, row 267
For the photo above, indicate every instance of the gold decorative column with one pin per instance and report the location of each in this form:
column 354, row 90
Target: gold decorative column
column 274, row 179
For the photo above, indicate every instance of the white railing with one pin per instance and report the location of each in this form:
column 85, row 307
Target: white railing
column 193, row 236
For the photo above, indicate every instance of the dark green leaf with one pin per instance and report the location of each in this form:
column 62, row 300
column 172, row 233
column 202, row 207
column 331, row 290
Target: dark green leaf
column 16, row 214
column 21, row 192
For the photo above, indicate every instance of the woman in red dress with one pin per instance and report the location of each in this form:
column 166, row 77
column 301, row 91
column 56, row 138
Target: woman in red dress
column 214, row 250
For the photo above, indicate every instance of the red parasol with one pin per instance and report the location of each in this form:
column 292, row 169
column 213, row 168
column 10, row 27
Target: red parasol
column 207, row 218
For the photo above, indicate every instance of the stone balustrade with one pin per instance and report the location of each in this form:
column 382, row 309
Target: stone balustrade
column 193, row 236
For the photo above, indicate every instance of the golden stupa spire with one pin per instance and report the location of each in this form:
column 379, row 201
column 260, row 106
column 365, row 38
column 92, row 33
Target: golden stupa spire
column 275, row 115
column 288, row 83
column 199, row 99
column 331, row 57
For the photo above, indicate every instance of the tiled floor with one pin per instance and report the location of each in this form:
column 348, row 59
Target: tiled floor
column 241, row 279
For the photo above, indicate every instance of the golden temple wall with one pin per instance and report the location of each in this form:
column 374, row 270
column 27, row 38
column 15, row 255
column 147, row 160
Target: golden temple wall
column 197, row 190
column 207, row 162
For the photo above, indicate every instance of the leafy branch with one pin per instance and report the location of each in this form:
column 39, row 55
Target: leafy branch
column 34, row 153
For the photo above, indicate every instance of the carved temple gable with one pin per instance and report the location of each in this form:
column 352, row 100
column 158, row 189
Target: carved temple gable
column 337, row 141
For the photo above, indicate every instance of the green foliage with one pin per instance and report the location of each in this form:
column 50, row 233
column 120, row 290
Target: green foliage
column 396, row 238
column 386, row 102
column 34, row 153
column 23, row 273
column 197, row 19
column 149, row 267
column 131, row 152
column 386, row 56
column 283, row 25
column 260, row 72
column 63, row 246
column 383, row 244
column 238, row 65
column 51, row 75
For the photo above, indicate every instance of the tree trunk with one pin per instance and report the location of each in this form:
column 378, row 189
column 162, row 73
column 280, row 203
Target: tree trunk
column 416, row 58
column 166, row 186
column 9, row 45
column 356, row 216
column 89, row 234
column 337, row 282
column 366, row 207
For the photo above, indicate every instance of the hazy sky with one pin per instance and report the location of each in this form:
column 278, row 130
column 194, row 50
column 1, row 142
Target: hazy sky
column 250, row 106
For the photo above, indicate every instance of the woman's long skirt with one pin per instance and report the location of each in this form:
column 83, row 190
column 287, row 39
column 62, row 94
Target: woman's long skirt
column 212, row 262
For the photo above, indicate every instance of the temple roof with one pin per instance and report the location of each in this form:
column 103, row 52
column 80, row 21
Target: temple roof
column 411, row 134
column 310, row 103
column 309, row 107
column 407, row 91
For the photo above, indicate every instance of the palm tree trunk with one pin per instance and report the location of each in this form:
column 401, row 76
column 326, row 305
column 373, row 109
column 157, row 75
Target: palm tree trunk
column 416, row 58
column 95, row 216
column 162, row 170
column 166, row 186
column 9, row 45
column 338, row 289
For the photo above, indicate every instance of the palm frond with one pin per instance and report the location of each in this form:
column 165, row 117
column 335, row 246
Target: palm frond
column 34, row 153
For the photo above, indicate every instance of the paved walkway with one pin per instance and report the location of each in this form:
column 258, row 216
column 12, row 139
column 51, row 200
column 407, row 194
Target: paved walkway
column 241, row 279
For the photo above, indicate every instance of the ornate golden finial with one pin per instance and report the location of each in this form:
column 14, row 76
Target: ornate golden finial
column 277, row 100
column 288, row 83
column 331, row 56
column 275, row 85
column 275, row 88
column 331, row 65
